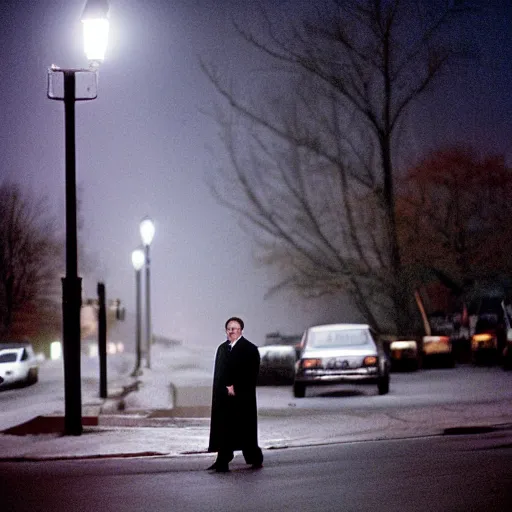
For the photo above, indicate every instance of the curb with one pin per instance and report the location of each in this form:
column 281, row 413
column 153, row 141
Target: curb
column 46, row 425
column 151, row 454
column 286, row 444
column 133, row 455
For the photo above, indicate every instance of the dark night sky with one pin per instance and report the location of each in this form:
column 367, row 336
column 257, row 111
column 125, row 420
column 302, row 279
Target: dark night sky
column 142, row 149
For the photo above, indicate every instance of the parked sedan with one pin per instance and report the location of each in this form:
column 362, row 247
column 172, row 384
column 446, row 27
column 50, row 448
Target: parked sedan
column 437, row 348
column 18, row 364
column 341, row 354
column 489, row 339
column 277, row 364
column 404, row 353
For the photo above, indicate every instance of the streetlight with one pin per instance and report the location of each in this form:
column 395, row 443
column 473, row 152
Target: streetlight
column 95, row 25
column 138, row 260
column 147, row 232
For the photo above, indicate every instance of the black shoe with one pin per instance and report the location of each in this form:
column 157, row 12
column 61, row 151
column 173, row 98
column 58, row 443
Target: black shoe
column 257, row 466
column 218, row 467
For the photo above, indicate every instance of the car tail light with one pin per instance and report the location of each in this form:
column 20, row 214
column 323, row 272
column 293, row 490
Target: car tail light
column 311, row 363
column 436, row 339
column 370, row 361
column 482, row 337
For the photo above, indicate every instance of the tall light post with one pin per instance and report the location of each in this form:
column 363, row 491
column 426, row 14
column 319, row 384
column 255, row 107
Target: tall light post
column 95, row 29
column 147, row 232
column 138, row 260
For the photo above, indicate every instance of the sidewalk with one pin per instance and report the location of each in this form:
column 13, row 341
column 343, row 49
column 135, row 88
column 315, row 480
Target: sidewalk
column 139, row 435
column 148, row 416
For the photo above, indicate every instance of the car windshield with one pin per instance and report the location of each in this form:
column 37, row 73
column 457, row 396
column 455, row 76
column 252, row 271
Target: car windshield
column 338, row 338
column 8, row 357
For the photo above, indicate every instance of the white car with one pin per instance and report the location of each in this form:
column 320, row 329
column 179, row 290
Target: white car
column 341, row 354
column 18, row 364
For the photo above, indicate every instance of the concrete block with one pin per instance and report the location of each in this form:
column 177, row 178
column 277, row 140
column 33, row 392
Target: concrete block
column 192, row 396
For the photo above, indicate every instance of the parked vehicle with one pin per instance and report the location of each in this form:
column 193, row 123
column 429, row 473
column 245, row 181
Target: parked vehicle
column 278, row 356
column 404, row 353
column 278, row 339
column 507, row 353
column 18, row 364
column 436, row 345
column 437, row 349
column 488, row 340
column 341, row 354
column 277, row 364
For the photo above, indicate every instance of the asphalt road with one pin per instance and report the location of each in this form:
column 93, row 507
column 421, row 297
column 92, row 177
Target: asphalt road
column 465, row 384
column 449, row 473
column 437, row 386
column 20, row 404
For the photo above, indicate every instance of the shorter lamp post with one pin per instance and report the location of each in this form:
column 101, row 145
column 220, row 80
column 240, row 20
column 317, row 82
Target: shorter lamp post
column 147, row 232
column 138, row 260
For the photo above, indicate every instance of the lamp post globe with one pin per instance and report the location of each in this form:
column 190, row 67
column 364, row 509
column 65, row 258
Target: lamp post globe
column 138, row 259
column 95, row 30
column 147, row 230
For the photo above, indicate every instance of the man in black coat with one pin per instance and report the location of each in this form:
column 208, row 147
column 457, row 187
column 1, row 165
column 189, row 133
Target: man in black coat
column 234, row 416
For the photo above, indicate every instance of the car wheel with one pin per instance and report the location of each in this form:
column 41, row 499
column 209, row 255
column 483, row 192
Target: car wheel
column 383, row 385
column 299, row 390
column 32, row 376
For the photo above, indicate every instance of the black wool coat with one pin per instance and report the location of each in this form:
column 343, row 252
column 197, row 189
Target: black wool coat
column 234, row 419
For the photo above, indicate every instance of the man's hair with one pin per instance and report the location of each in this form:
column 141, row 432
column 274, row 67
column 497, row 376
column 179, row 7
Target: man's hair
column 234, row 319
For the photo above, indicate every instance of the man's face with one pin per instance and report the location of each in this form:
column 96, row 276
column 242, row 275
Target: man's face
column 233, row 331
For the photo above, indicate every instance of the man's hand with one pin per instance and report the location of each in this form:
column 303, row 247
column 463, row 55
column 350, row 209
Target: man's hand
column 231, row 390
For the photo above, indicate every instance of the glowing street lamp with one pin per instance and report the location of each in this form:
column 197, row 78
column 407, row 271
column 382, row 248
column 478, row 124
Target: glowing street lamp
column 147, row 232
column 71, row 283
column 95, row 30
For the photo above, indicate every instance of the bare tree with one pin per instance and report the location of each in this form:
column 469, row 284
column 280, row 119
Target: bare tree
column 461, row 204
column 312, row 138
column 30, row 263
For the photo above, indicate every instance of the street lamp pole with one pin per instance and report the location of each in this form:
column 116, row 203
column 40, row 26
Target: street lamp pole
column 72, row 283
column 138, row 260
column 147, row 232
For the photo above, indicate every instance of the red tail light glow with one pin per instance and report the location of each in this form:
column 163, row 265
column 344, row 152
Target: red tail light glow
column 370, row 361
